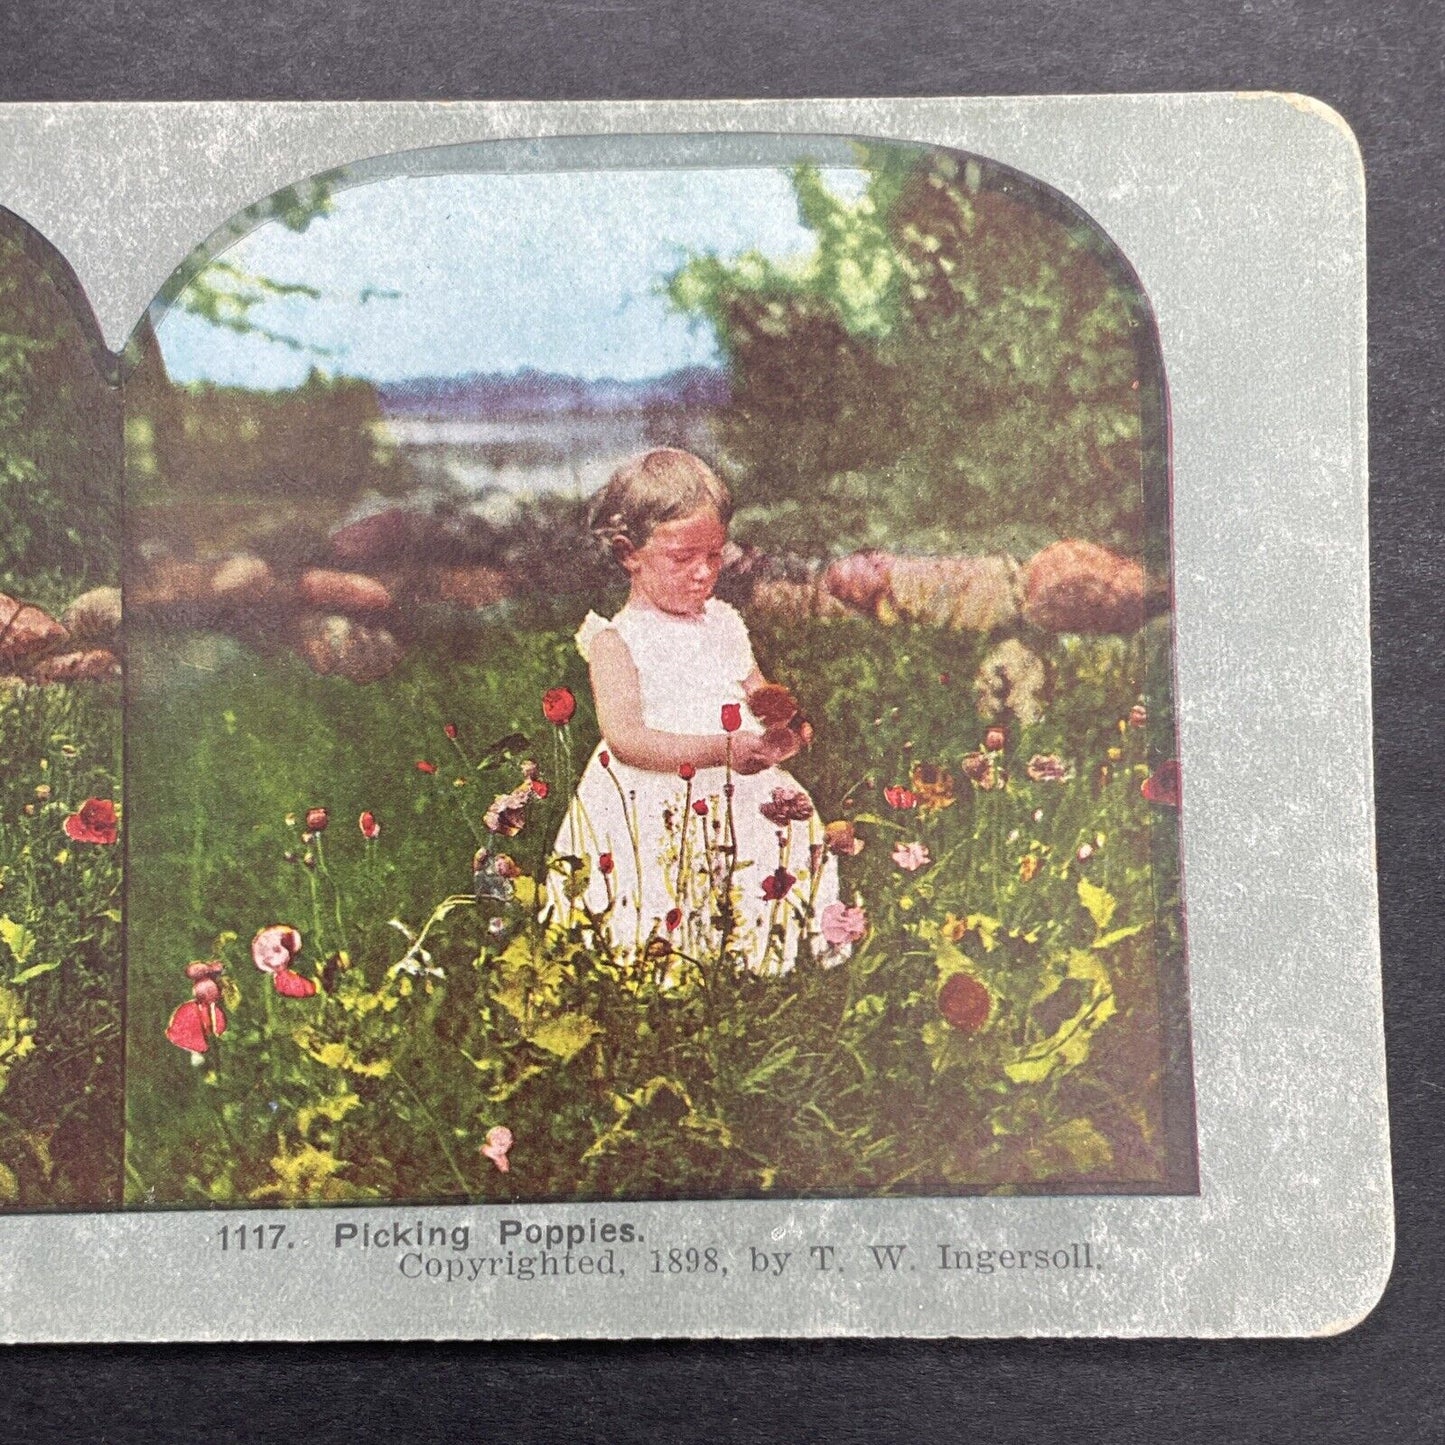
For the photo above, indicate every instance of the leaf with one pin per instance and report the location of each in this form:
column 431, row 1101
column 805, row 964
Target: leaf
column 19, row 939
column 34, row 971
column 565, row 1036
column 1084, row 1149
column 1099, row 902
column 1069, row 1044
column 777, row 1060
column 9, row 1185
column 1108, row 940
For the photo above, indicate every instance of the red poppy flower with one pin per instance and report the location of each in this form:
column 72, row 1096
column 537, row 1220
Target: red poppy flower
column 370, row 828
column 292, row 985
column 95, row 822
column 700, row 807
column 965, row 1003
column 687, row 772
column 539, row 788
column 674, row 917
column 1162, row 785
column 777, row 884
column 900, row 798
column 558, row 705
column 316, row 820
column 450, row 729
column 605, row 864
column 732, row 717
column 193, row 1023
column 422, row 766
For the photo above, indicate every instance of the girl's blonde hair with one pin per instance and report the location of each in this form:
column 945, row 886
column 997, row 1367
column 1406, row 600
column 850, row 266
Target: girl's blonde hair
column 659, row 486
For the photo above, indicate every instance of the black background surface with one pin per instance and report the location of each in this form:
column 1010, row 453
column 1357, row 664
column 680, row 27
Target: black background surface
column 1381, row 65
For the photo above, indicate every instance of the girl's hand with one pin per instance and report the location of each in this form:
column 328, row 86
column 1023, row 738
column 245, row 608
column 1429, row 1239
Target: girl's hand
column 755, row 753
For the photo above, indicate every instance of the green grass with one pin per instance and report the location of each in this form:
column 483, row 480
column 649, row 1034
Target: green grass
column 822, row 1081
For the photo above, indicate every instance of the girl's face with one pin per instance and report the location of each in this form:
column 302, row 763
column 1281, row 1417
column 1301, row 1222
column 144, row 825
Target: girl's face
column 677, row 567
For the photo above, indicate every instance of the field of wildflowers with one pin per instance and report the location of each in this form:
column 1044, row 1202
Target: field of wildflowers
column 354, row 972
column 61, row 947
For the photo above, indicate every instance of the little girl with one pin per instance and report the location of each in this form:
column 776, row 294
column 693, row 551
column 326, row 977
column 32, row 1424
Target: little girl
column 692, row 833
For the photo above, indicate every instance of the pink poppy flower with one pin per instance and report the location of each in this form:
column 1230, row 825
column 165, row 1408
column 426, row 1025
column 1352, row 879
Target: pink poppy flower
column 842, row 924
column 94, row 822
column 273, row 948
column 911, row 856
column 508, row 812
column 370, row 828
column 995, row 740
column 499, row 1143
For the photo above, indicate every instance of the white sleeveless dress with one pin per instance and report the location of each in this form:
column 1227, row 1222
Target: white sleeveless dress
column 675, row 846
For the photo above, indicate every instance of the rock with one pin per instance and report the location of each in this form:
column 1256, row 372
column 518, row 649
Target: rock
column 94, row 617
column 381, row 538
column 349, row 592
column 860, row 580
column 341, row 647
column 96, row 665
column 966, row 594
column 27, row 631
column 471, row 586
column 1075, row 586
column 1012, row 681
column 243, row 581
column 167, row 584
column 794, row 601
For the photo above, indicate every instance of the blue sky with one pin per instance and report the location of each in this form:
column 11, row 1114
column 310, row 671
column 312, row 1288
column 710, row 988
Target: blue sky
column 497, row 272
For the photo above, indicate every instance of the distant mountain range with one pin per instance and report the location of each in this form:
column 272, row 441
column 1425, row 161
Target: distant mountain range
column 483, row 396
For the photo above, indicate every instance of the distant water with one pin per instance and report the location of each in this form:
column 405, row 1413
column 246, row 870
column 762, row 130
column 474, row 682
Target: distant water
column 500, row 462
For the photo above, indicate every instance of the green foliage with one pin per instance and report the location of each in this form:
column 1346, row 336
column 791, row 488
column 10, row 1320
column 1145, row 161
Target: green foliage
column 955, row 366
column 202, row 447
column 442, row 1015
column 61, row 951
column 59, row 442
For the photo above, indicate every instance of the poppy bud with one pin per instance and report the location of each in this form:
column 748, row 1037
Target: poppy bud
column 605, row 758
column 317, row 819
column 370, row 828
column 700, row 807
column 422, row 766
column 450, row 729
column 674, row 918
column 605, row 864
column 994, row 740
column 687, row 772
column 558, row 705
column 732, row 717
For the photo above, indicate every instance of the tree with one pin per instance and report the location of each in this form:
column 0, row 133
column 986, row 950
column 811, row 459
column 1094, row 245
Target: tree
column 957, row 365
